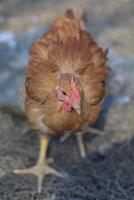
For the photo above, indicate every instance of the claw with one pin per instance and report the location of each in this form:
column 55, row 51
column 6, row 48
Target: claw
column 39, row 170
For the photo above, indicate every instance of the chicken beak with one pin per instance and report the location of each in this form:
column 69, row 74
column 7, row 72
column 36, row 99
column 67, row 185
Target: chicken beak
column 77, row 108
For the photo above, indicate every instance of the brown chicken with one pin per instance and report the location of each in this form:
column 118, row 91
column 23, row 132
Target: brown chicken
column 65, row 86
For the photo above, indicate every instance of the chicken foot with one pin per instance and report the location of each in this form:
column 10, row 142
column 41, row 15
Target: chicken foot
column 41, row 168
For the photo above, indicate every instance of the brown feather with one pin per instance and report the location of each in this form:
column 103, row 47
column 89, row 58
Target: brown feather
column 66, row 50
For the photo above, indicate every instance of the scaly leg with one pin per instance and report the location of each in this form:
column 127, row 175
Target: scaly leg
column 79, row 138
column 41, row 168
column 80, row 143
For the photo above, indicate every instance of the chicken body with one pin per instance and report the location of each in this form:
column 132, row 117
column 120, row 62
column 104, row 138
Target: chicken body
column 65, row 51
column 65, row 55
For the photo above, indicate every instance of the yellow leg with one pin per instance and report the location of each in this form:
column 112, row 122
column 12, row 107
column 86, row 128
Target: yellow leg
column 80, row 143
column 79, row 138
column 41, row 168
column 81, row 146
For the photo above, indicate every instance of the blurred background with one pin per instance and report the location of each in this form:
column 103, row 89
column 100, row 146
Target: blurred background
column 112, row 25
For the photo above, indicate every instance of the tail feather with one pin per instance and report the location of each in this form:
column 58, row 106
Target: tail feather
column 78, row 11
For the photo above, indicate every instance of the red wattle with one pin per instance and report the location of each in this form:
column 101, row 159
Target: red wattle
column 66, row 106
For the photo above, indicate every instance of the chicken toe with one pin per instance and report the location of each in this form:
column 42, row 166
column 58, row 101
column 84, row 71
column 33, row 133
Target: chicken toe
column 41, row 168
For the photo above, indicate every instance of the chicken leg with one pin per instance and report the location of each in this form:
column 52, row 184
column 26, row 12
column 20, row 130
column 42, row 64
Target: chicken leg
column 41, row 168
column 79, row 139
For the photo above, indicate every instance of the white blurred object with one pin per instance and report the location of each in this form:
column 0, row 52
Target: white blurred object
column 8, row 37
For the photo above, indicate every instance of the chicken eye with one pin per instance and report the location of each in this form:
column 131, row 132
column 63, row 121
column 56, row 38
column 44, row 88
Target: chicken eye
column 64, row 93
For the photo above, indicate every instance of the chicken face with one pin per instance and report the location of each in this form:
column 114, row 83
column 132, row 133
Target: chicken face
column 69, row 98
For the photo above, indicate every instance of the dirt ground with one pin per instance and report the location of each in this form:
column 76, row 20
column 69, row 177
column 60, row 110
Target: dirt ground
column 108, row 171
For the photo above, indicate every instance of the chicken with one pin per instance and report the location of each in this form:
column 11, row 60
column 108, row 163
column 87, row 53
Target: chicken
column 65, row 86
